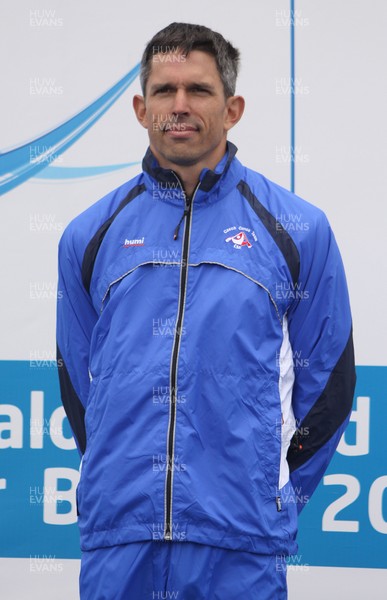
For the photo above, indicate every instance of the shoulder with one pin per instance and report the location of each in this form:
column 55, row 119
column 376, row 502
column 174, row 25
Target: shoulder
column 282, row 204
column 305, row 223
column 84, row 226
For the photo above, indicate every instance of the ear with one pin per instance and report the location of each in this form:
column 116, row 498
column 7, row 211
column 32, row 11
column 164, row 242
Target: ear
column 235, row 105
column 140, row 110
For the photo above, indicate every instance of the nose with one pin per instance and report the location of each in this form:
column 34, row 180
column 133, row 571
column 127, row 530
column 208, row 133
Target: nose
column 180, row 102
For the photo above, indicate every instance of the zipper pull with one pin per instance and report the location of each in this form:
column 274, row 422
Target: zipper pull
column 278, row 503
column 296, row 442
column 176, row 232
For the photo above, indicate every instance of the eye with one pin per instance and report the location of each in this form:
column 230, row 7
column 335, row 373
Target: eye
column 198, row 89
column 164, row 90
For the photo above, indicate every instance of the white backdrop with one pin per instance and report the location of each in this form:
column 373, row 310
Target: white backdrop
column 58, row 57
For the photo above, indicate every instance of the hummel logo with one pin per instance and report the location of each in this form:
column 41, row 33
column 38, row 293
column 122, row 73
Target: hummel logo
column 138, row 242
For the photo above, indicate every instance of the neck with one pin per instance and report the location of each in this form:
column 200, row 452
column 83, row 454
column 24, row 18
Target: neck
column 189, row 174
column 189, row 177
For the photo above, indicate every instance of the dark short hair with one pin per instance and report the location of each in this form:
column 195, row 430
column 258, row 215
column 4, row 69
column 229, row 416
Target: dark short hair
column 186, row 37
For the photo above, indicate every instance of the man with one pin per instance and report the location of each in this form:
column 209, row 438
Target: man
column 206, row 353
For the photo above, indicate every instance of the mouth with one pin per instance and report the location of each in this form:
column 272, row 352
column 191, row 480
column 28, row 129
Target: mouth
column 181, row 130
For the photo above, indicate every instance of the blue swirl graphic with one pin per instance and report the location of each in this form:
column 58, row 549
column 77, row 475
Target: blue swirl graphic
column 21, row 163
column 54, row 172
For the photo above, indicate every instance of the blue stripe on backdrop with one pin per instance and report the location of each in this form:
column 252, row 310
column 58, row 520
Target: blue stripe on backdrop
column 38, row 476
column 345, row 524
column 292, row 99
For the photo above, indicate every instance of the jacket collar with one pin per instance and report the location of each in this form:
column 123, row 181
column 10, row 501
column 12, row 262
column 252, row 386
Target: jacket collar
column 208, row 177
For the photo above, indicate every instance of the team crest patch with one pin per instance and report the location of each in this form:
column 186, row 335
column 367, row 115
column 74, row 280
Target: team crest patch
column 241, row 237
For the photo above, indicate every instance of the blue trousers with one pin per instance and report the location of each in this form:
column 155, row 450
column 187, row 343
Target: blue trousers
column 157, row 570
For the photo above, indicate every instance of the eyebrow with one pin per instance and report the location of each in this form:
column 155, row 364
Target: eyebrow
column 159, row 87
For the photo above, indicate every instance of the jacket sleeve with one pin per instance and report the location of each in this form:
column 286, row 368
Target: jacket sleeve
column 320, row 331
column 76, row 318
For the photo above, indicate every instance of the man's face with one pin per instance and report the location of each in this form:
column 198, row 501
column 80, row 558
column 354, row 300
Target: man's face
column 185, row 110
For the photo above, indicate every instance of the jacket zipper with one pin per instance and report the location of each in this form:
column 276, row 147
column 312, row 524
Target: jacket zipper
column 175, row 356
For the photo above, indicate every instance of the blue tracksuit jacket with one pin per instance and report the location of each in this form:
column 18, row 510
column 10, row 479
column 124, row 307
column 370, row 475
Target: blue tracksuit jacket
column 205, row 358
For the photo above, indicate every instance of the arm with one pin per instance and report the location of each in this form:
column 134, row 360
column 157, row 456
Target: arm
column 76, row 318
column 320, row 329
